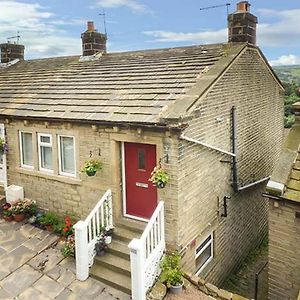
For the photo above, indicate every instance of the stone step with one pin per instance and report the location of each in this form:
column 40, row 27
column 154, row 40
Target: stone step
column 114, row 279
column 119, row 248
column 132, row 225
column 124, row 234
column 114, row 263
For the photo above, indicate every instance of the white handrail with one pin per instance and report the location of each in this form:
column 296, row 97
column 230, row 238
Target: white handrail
column 87, row 233
column 146, row 253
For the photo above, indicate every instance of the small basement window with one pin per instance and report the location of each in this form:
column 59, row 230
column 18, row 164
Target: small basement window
column 66, row 155
column 204, row 254
column 45, row 152
column 26, row 149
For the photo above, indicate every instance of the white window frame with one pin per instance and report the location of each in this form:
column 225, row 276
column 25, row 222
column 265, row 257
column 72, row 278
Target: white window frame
column 21, row 150
column 49, row 145
column 60, row 157
column 209, row 244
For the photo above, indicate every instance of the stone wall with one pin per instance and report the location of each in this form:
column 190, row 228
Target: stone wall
column 80, row 194
column 205, row 175
column 284, row 250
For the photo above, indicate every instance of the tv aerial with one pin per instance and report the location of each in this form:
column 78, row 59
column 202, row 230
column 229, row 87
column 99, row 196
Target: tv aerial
column 216, row 6
column 104, row 21
column 16, row 37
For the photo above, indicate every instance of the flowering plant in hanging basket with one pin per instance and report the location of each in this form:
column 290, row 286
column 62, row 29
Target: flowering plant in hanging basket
column 91, row 166
column 3, row 146
column 159, row 177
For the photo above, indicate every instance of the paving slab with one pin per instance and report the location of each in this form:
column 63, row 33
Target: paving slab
column 48, row 286
column 36, row 270
column 32, row 294
column 17, row 282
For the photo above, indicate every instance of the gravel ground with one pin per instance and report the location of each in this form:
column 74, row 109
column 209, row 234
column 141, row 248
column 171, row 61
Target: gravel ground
column 191, row 293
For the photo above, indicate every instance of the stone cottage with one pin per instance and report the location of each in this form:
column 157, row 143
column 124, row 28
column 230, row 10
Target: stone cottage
column 210, row 114
column 283, row 192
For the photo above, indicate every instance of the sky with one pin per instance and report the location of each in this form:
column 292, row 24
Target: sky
column 51, row 28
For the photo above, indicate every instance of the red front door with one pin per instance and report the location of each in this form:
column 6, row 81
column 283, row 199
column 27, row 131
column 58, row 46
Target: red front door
column 140, row 194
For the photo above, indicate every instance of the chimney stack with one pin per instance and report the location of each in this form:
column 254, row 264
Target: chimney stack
column 93, row 41
column 242, row 25
column 11, row 52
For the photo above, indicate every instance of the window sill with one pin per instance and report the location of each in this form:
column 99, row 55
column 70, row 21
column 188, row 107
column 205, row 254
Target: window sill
column 64, row 179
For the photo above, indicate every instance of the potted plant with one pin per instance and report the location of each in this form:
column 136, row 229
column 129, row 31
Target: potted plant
column 69, row 247
column 101, row 246
column 159, row 177
column 49, row 220
column 7, row 215
column 18, row 211
column 3, row 146
column 108, row 232
column 91, row 166
column 171, row 274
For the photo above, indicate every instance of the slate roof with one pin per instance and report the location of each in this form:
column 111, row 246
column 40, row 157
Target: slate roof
column 136, row 87
column 287, row 170
column 292, row 191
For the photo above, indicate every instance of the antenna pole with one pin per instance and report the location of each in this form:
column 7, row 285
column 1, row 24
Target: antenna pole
column 216, row 6
column 104, row 21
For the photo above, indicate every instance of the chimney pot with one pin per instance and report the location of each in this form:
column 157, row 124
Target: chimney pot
column 243, row 6
column 90, row 26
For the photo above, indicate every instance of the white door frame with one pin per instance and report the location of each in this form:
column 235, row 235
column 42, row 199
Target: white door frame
column 4, row 167
column 124, row 187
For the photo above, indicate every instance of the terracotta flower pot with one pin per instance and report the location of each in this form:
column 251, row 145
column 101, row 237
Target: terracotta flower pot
column 49, row 228
column 19, row 217
column 8, row 218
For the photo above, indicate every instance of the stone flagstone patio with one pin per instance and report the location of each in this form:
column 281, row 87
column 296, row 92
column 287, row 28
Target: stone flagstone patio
column 32, row 267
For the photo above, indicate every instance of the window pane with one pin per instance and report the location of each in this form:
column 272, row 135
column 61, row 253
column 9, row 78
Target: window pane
column 67, row 155
column 27, row 155
column 203, row 257
column 141, row 159
column 46, row 157
column 45, row 139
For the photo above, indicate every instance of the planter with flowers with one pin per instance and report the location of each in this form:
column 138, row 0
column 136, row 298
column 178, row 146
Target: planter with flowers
column 159, row 177
column 91, row 166
column 3, row 146
column 107, row 233
column 101, row 246
column 69, row 247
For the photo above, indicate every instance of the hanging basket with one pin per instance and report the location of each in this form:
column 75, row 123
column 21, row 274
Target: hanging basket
column 91, row 173
column 160, row 184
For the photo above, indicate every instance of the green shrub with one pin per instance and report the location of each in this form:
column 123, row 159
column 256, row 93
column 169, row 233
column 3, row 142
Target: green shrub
column 50, row 218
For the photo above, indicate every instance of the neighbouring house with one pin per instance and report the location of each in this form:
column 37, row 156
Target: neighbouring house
column 283, row 192
column 211, row 115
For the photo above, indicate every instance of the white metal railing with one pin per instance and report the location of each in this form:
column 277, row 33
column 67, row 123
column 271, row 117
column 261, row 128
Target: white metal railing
column 146, row 253
column 87, row 233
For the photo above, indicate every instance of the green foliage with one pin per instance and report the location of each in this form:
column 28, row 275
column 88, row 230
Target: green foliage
column 50, row 218
column 170, row 266
column 7, row 213
column 91, row 165
column 291, row 97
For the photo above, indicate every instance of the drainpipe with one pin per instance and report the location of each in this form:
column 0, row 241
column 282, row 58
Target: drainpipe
column 234, row 150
